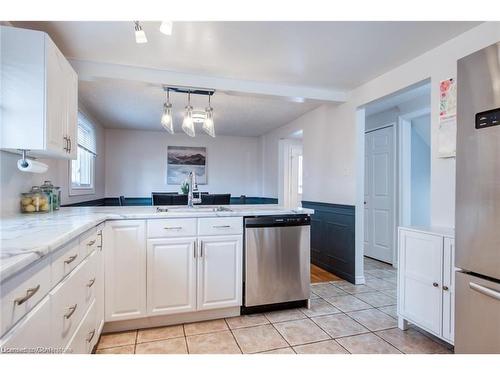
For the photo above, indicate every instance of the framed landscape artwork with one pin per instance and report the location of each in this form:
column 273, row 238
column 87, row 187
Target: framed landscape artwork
column 182, row 159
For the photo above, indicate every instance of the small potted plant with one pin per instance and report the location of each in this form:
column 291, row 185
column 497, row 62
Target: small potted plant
column 185, row 187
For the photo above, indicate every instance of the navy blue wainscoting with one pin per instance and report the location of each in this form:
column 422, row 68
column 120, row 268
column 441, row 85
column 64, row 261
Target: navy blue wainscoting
column 147, row 201
column 332, row 238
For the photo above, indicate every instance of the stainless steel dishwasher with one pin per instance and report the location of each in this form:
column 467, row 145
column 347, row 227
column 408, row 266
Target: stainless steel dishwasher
column 277, row 260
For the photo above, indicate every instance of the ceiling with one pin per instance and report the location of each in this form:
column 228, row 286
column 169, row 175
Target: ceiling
column 137, row 105
column 302, row 57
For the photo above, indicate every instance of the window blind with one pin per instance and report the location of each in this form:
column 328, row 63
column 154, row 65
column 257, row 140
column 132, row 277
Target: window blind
column 86, row 134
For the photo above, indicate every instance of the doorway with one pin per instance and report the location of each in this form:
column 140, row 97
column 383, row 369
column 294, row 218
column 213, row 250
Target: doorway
column 379, row 202
column 396, row 189
column 292, row 167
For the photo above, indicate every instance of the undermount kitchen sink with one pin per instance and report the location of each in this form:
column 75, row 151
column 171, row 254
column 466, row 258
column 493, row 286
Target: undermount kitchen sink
column 194, row 209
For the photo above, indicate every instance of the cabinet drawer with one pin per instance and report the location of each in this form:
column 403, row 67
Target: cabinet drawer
column 89, row 242
column 172, row 228
column 32, row 332
column 220, row 226
column 22, row 292
column 69, row 302
column 91, row 278
column 65, row 260
column 85, row 336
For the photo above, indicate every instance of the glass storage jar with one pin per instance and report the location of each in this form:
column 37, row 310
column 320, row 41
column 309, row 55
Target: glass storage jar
column 54, row 193
column 36, row 201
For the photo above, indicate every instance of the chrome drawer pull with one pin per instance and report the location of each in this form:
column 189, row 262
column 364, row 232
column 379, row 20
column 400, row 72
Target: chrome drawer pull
column 484, row 290
column 91, row 335
column 172, row 228
column 71, row 259
column 71, row 311
column 91, row 282
column 221, row 226
column 29, row 293
column 91, row 243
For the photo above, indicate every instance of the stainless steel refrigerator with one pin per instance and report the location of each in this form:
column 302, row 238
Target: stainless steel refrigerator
column 477, row 300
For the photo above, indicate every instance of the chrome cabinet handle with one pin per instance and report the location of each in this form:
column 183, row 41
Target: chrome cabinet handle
column 221, row 226
column 29, row 293
column 201, row 249
column 195, row 247
column 71, row 311
column 69, row 144
column 435, row 284
column 485, row 290
column 91, row 243
column 172, row 228
column 66, row 143
column 71, row 259
column 445, row 287
column 91, row 282
column 91, row 335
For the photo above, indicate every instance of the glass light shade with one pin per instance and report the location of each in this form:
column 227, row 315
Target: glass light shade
column 140, row 36
column 166, row 27
column 188, row 123
column 166, row 118
column 208, row 124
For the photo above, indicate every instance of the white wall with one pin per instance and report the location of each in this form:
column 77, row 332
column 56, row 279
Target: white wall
column 136, row 163
column 13, row 182
column 420, row 171
column 332, row 137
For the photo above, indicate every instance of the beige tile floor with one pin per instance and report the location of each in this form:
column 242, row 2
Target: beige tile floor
column 344, row 318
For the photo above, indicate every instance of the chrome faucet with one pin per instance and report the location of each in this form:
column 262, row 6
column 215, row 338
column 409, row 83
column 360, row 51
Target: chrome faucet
column 193, row 189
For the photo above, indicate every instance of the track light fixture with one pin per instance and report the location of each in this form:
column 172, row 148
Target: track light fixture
column 208, row 124
column 140, row 35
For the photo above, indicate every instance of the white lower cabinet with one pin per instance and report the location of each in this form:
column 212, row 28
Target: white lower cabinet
column 426, row 281
column 171, row 275
column 124, row 246
column 32, row 332
column 219, row 272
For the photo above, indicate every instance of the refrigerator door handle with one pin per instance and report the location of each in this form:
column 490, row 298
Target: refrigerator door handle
column 484, row 290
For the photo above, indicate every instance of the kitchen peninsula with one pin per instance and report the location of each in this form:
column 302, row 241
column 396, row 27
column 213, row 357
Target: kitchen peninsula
column 160, row 266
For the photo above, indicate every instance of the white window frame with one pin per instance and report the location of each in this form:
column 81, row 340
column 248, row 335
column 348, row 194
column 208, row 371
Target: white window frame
column 87, row 189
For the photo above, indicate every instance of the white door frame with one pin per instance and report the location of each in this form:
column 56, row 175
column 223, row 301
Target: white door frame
column 284, row 168
column 395, row 194
column 404, row 170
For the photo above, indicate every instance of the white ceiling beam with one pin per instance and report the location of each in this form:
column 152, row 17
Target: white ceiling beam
column 90, row 70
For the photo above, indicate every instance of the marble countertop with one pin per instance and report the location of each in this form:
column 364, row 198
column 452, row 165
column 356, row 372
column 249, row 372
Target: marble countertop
column 24, row 239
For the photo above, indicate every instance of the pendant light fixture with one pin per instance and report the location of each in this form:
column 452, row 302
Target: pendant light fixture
column 188, row 124
column 140, row 35
column 208, row 124
column 166, row 117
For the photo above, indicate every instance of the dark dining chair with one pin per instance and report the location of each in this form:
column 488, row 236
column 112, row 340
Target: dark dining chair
column 162, row 199
column 220, row 199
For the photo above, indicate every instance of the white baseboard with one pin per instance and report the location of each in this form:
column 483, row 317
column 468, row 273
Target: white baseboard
column 165, row 320
column 359, row 280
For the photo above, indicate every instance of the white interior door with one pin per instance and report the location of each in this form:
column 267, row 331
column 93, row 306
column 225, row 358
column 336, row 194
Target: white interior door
column 379, row 194
column 295, row 182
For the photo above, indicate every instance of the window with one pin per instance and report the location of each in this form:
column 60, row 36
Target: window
column 82, row 170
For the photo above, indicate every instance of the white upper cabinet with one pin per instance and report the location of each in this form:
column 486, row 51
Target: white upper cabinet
column 39, row 95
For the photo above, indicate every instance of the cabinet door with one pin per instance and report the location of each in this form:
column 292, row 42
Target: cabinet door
column 420, row 279
column 71, row 111
column 219, row 272
column 32, row 332
column 171, row 276
column 448, row 289
column 124, row 246
column 55, row 110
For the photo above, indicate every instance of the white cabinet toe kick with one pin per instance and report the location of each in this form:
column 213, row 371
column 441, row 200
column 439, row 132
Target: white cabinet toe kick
column 121, row 275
